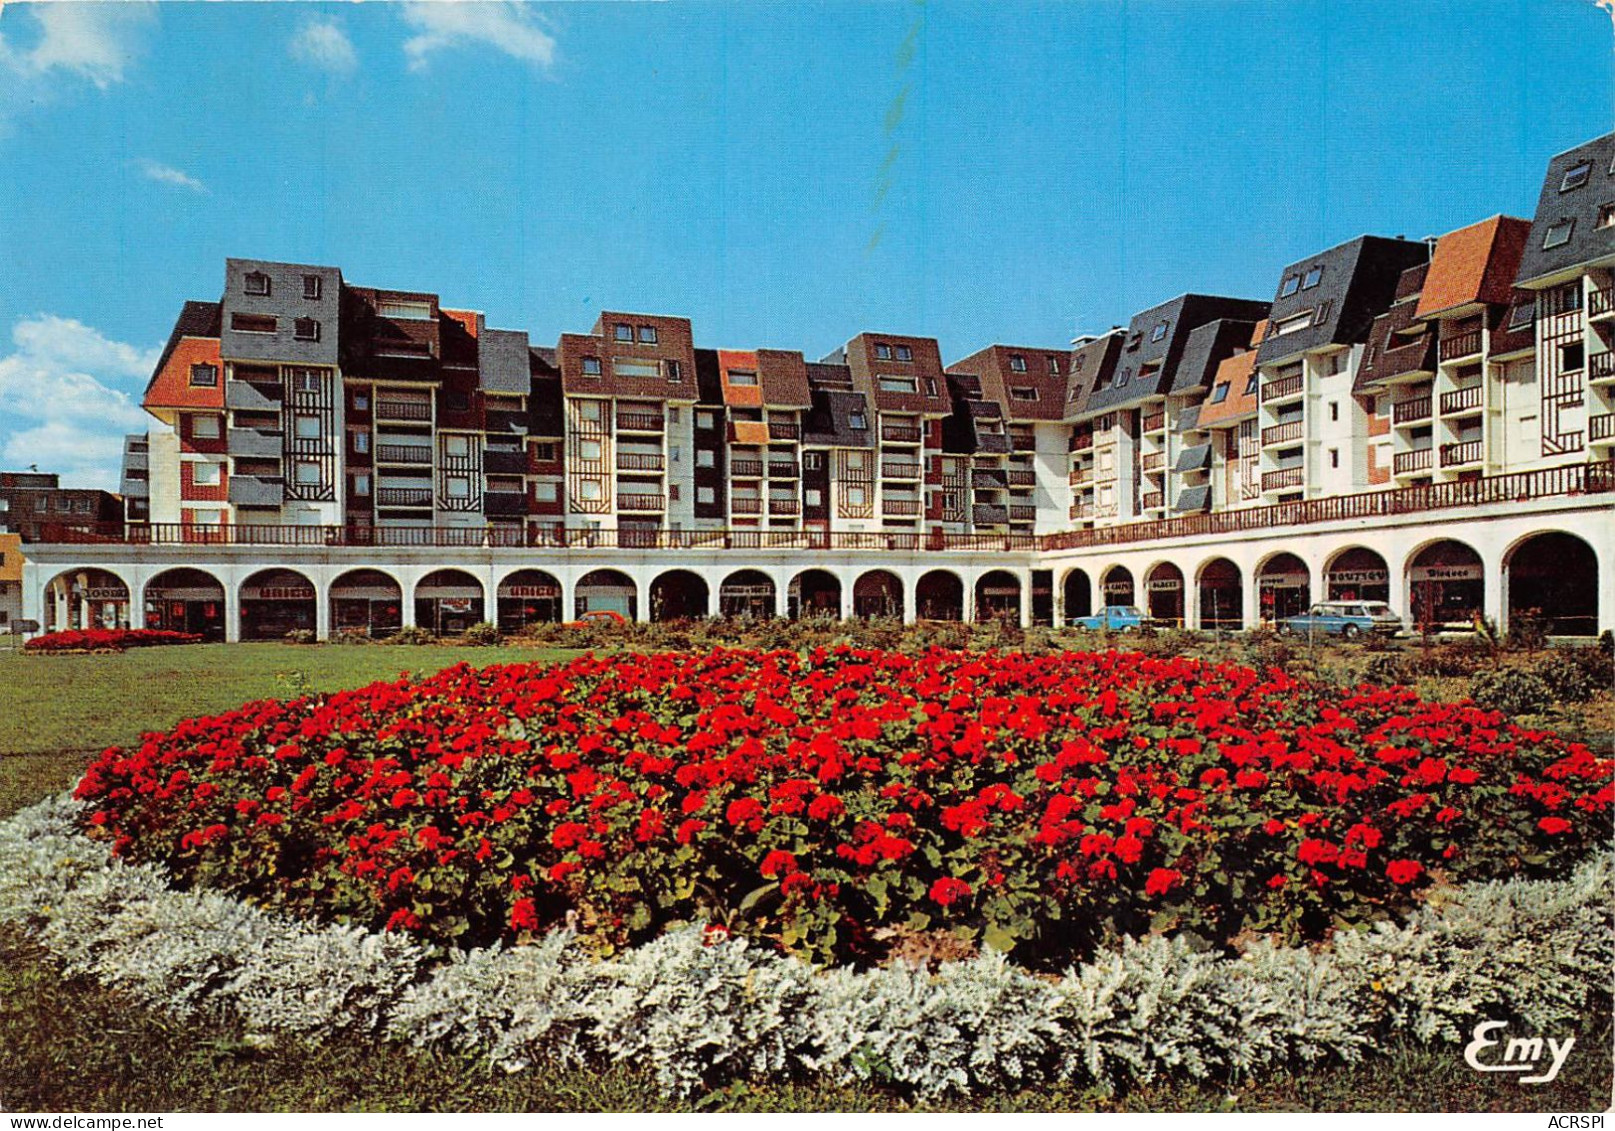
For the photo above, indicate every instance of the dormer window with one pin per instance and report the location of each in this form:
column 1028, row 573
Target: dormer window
column 312, row 286
column 1291, row 284
column 1160, row 330
column 857, row 421
column 739, row 377
column 1219, row 393
column 306, row 330
column 904, row 353
column 591, row 367
column 1313, row 276
column 647, row 334
column 1017, row 363
column 1606, row 217
column 625, row 332
column 883, row 351
column 1576, row 176
column 256, row 283
column 204, row 376
column 412, row 309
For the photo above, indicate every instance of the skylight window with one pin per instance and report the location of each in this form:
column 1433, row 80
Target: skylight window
column 1291, row 284
column 1576, row 176
column 1558, row 233
column 1160, row 331
column 1313, row 276
column 1219, row 393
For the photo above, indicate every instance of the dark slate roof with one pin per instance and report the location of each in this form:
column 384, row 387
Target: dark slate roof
column 829, row 375
column 1189, row 418
column 196, row 320
column 1588, row 244
column 1207, row 347
column 1158, row 337
column 828, row 422
column 1194, row 459
column 502, row 362
column 1357, row 281
column 1090, row 362
column 543, row 360
column 708, row 378
column 1192, row 500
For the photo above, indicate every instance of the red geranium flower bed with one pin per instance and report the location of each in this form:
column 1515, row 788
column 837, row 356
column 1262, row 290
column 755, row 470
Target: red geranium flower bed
column 838, row 801
column 107, row 639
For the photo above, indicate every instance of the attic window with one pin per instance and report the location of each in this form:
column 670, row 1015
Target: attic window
column 306, row 330
column 252, row 323
column 647, row 334
column 892, row 383
column 1291, row 325
column 857, row 421
column 1291, row 284
column 256, row 283
column 591, row 367
column 312, row 286
column 204, row 376
column 1558, row 233
column 739, row 377
column 1160, row 330
column 904, row 353
column 1022, row 393
column 1313, row 275
column 412, row 309
column 1606, row 216
column 883, row 351
column 1522, row 314
column 625, row 332
column 1219, row 393
column 1017, row 363
column 1576, row 176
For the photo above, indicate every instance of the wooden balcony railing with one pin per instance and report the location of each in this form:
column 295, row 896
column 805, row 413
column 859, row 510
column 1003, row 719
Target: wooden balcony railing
column 746, row 505
column 639, row 422
column 1410, row 411
column 1081, row 476
column 1284, row 433
column 1081, row 441
column 783, row 430
column 900, row 433
column 1462, row 400
column 1601, row 366
column 783, row 469
column 1020, row 512
column 403, row 496
column 1405, row 463
column 1601, row 302
column 403, row 410
column 640, row 502
column 1081, row 511
column 1601, row 428
column 898, row 469
column 403, row 453
column 746, row 468
column 1152, row 500
column 784, row 506
column 904, row 507
column 1281, row 387
column 1155, row 421
column 1456, row 455
column 1283, row 479
column 639, row 461
column 1021, row 477
column 1152, row 461
column 1466, row 344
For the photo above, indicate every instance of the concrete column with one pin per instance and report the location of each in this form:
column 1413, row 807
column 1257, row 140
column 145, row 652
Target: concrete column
column 844, row 593
column 641, row 599
column 232, row 612
column 1251, row 613
column 1494, row 602
column 406, row 604
column 322, row 610
column 781, row 599
column 1191, row 601
column 970, row 599
column 911, row 602
column 1025, row 579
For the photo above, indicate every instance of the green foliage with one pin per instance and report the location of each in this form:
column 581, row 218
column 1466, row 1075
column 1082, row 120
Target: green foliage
column 302, row 636
column 482, row 635
column 411, row 634
column 1514, row 691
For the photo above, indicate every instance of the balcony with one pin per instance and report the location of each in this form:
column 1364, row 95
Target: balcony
column 639, row 422
column 1601, row 429
column 986, row 515
column 1281, row 388
column 404, row 453
column 784, row 469
column 1410, row 411
column 784, row 430
column 900, row 433
column 983, row 480
column 505, row 421
column 906, row 508
column 1155, row 421
column 1081, row 511
column 746, row 505
column 404, row 497
column 746, row 468
column 1465, row 452
column 785, row 507
column 409, row 411
column 250, row 397
column 504, row 504
column 1081, row 477
column 1082, row 441
column 1283, row 479
column 1601, row 367
column 1460, row 346
column 900, row 469
column 1462, row 400
column 251, row 442
column 640, row 503
column 1021, row 477
column 1152, row 501
column 1601, row 303
column 1152, row 461
column 1411, row 357
column 1287, row 432
column 497, row 461
column 639, row 461
column 1021, row 512
column 257, row 491
column 1407, row 463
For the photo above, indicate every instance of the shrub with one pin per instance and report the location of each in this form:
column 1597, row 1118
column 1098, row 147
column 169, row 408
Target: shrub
column 411, row 634
column 301, row 636
column 483, row 635
column 1514, row 691
column 1035, row 804
column 350, row 636
column 1386, row 668
column 107, row 639
column 1527, row 631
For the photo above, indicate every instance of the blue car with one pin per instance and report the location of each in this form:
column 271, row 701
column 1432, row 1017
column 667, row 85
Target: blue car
column 1117, row 618
column 1345, row 619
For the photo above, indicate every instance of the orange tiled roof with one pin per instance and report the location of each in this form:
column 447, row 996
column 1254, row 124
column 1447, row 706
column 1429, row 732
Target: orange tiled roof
column 1236, row 372
column 746, row 396
column 1474, row 264
column 172, row 388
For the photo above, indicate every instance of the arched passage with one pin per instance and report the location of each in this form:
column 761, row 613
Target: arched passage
column 185, row 600
column 814, row 593
column 878, row 593
column 1163, row 590
column 746, row 593
column 86, row 598
column 1078, row 589
column 367, row 601
column 940, row 595
column 1222, row 595
column 449, row 601
column 1554, row 576
column 998, row 597
column 608, row 590
column 527, row 596
column 1117, row 586
column 1446, row 585
column 678, row 594
column 1284, row 585
column 1357, row 574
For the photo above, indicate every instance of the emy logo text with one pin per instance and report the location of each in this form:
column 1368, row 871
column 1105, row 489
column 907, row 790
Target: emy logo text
column 1520, row 1054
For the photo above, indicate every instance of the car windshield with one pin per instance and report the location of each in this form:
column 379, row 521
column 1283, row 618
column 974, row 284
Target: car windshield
column 1128, row 610
column 1378, row 609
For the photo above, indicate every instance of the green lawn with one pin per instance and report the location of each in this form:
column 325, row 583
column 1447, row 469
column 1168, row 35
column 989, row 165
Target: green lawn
column 58, row 712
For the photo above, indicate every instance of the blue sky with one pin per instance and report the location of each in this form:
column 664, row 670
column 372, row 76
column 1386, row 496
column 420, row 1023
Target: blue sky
column 784, row 175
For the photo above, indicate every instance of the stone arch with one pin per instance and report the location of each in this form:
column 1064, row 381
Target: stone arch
column 1164, row 594
column 1553, row 575
column 1446, row 580
column 998, row 597
column 1222, row 595
column 877, row 593
column 1076, row 590
column 814, row 593
column 940, row 595
column 1283, row 586
column 527, row 596
column 86, row 597
column 449, row 601
column 747, row 593
column 679, row 594
column 184, row 599
column 1357, row 573
column 606, row 590
column 368, row 601
column 1116, row 586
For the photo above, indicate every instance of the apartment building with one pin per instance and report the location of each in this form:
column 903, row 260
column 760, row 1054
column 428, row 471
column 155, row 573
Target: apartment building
column 36, row 506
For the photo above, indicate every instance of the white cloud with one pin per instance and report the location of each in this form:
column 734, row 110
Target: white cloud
column 60, row 404
column 506, row 27
column 93, row 41
column 323, row 44
column 168, row 175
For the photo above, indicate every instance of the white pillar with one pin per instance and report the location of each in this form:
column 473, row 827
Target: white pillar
column 1025, row 583
column 1493, row 604
column 232, row 612
column 781, row 596
column 1191, row 601
column 844, row 596
column 322, row 610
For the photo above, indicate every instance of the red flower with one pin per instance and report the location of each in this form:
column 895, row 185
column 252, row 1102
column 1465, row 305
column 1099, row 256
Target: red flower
column 1553, row 826
column 948, row 890
column 1404, row 871
column 778, row 862
column 524, row 915
column 1161, row 881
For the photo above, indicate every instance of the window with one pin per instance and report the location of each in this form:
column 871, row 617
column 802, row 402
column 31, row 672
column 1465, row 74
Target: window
column 891, row 383
column 1291, row 284
column 672, row 492
column 625, row 332
column 204, row 376
column 590, row 412
column 737, row 377
column 1334, row 411
column 674, row 454
column 457, row 447
column 308, row 427
column 306, row 381
column 813, row 497
column 1334, row 457
column 589, row 490
column 361, row 484
column 904, row 353
column 930, row 387
column 1017, row 363
column 1558, row 233
column 857, row 421
column 1323, row 309
column 1576, row 176
column 883, row 351
column 205, row 427
column 544, row 453
column 456, row 401
column 647, row 334
column 813, row 461
column 857, row 461
column 205, row 474
column 256, row 283
column 857, row 496
column 311, row 287
column 252, row 323
column 1054, row 366
column 674, row 373
column 361, row 442
column 1606, row 216
column 591, row 367
column 633, row 367
column 1314, row 274
column 1250, row 386
column 706, row 420
column 706, row 495
column 706, row 457
column 361, row 401
column 1219, row 393
column 1160, row 331
column 307, row 473
column 412, row 309
column 1572, row 357
column 1022, row 393
column 1291, row 325
column 306, row 330
column 459, row 487
column 547, row 492
column 589, row 450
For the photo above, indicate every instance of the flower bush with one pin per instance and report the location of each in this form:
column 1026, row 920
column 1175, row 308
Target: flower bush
column 844, row 802
column 107, row 639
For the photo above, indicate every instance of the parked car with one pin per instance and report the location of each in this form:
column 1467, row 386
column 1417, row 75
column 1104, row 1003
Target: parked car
column 1117, row 618
column 1346, row 619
